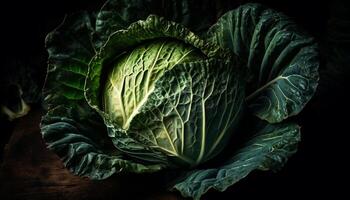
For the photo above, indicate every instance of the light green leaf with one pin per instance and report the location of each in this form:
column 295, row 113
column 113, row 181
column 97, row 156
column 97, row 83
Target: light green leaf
column 131, row 81
column 282, row 61
column 268, row 149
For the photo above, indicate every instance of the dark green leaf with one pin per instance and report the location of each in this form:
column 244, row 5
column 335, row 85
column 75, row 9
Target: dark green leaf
column 70, row 51
column 119, row 14
column 282, row 61
column 268, row 149
column 83, row 144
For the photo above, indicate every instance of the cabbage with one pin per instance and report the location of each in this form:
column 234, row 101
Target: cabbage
column 128, row 91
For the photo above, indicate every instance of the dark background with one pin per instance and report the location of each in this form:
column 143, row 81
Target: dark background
column 317, row 170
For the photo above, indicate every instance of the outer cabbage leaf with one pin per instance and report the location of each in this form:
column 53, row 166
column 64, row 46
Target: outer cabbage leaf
column 119, row 14
column 268, row 149
column 70, row 127
column 83, row 146
column 282, row 60
column 70, row 51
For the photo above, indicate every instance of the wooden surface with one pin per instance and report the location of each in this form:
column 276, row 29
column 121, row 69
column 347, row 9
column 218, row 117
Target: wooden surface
column 30, row 171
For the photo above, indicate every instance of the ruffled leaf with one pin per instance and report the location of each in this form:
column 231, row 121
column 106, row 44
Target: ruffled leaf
column 282, row 61
column 119, row 14
column 269, row 149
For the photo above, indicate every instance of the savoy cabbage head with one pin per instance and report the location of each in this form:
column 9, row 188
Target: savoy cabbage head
column 128, row 91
